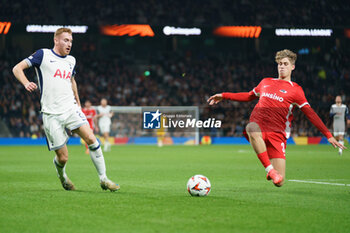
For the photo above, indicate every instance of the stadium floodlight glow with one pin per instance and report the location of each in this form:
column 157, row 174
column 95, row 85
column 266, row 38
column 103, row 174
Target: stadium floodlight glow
column 53, row 28
column 303, row 32
column 5, row 27
column 347, row 32
column 238, row 31
column 169, row 30
column 127, row 30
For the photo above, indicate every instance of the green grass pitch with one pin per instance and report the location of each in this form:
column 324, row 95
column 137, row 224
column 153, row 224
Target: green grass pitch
column 153, row 195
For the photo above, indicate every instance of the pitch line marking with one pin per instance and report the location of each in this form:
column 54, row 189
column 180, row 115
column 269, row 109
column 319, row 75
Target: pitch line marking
column 318, row 182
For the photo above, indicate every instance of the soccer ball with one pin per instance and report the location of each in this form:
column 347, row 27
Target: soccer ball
column 199, row 185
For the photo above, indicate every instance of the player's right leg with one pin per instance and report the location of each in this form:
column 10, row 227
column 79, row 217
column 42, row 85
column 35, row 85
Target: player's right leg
column 60, row 161
column 97, row 157
column 256, row 140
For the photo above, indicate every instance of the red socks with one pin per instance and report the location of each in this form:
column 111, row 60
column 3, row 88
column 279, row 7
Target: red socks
column 264, row 159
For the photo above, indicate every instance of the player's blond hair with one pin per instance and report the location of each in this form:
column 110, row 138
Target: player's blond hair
column 62, row 30
column 286, row 53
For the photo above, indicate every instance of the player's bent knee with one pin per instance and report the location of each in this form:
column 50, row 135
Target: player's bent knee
column 252, row 128
column 254, row 135
column 62, row 157
column 90, row 139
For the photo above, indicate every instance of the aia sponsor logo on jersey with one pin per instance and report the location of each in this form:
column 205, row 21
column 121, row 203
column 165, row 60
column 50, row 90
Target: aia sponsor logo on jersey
column 63, row 75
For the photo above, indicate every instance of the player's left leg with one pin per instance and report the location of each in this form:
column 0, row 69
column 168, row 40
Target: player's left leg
column 276, row 149
column 96, row 155
column 56, row 138
column 257, row 141
column 280, row 165
column 341, row 141
column 107, row 145
column 87, row 151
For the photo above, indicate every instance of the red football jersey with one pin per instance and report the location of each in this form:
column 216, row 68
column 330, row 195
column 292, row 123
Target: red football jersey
column 90, row 114
column 277, row 100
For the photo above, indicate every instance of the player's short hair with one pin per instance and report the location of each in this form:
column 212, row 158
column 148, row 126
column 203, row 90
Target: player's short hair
column 61, row 30
column 286, row 53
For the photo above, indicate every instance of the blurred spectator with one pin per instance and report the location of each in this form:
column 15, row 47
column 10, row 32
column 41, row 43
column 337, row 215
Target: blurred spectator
column 182, row 78
column 297, row 13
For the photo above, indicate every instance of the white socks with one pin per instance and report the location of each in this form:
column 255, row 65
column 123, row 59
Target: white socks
column 107, row 146
column 98, row 159
column 268, row 168
column 60, row 169
column 340, row 150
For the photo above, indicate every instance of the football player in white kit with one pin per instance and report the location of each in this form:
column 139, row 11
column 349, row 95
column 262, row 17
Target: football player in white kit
column 339, row 112
column 104, row 115
column 60, row 105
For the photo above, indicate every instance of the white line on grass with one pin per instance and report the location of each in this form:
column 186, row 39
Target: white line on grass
column 317, row 182
column 244, row 151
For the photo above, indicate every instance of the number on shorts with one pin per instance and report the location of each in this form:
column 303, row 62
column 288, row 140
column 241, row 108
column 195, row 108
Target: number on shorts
column 81, row 115
column 283, row 149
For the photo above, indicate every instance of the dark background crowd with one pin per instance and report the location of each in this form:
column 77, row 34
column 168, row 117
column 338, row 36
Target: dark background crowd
column 181, row 76
column 274, row 13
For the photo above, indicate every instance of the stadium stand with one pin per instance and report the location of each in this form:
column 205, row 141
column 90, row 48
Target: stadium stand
column 178, row 78
column 182, row 77
column 191, row 13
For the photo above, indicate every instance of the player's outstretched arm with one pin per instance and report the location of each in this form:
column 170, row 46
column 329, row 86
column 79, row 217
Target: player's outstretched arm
column 316, row 120
column 21, row 77
column 214, row 99
column 241, row 97
column 335, row 143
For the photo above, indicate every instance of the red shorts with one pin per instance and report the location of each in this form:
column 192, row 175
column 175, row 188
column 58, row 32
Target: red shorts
column 276, row 144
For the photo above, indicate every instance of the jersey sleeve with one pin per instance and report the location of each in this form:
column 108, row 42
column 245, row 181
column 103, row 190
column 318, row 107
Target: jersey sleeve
column 316, row 120
column 331, row 112
column 256, row 90
column 300, row 98
column 35, row 59
column 74, row 72
column 241, row 96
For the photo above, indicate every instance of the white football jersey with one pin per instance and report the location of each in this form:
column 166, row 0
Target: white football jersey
column 54, row 73
column 339, row 114
column 105, row 111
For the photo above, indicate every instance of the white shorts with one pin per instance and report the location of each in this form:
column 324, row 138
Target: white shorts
column 338, row 129
column 338, row 133
column 54, row 126
column 105, row 127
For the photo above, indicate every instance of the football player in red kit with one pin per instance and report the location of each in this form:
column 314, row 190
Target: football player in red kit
column 90, row 114
column 270, row 122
